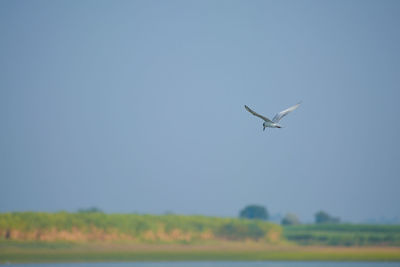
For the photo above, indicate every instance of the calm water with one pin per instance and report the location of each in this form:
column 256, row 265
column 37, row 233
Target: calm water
column 215, row 264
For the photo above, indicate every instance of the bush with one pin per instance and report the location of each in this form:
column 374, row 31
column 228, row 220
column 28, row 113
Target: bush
column 323, row 217
column 290, row 219
column 240, row 231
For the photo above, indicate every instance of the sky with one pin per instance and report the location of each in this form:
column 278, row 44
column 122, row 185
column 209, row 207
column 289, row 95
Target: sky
column 138, row 106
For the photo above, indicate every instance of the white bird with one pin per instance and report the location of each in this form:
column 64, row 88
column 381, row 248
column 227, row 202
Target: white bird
column 274, row 123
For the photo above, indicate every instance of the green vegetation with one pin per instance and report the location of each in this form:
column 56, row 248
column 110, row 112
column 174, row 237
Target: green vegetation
column 323, row 217
column 97, row 226
column 171, row 252
column 91, row 235
column 290, row 219
column 344, row 234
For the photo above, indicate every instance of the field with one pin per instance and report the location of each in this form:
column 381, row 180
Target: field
column 343, row 234
column 232, row 251
column 95, row 236
column 96, row 226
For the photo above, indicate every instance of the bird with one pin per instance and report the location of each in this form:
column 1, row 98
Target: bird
column 274, row 123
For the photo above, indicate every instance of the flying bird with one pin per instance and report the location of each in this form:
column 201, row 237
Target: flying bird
column 274, row 123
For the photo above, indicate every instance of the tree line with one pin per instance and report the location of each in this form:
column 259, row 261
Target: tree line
column 261, row 213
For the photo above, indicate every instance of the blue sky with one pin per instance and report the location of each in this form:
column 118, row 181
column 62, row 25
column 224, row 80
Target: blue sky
column 137, row 106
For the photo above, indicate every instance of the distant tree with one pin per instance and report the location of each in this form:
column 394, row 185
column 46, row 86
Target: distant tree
column 290, row 219
column 323, row 217
column 90, row 210
column 254, row 212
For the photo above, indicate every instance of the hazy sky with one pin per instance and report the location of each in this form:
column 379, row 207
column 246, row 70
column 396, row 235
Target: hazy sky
column 137, row 106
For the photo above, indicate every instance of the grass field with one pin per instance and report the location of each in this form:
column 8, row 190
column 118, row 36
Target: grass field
column 344, row 234
column 69, row 237
column 232, row 251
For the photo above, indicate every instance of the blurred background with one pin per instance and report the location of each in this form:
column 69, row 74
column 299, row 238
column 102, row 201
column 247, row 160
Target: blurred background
column 138, row 107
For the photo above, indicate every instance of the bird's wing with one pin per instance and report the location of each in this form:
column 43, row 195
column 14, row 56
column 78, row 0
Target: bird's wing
column 283, row 113
column 256, row 114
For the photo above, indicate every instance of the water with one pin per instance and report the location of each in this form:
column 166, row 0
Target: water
column 213, row 264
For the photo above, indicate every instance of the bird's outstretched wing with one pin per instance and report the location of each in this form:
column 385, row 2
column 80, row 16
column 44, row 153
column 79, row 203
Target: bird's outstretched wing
column 256, row 114
column 283, row 113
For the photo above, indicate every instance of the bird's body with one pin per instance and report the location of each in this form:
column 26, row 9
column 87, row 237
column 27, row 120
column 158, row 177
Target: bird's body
column 268, row 124
column 274, row 123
